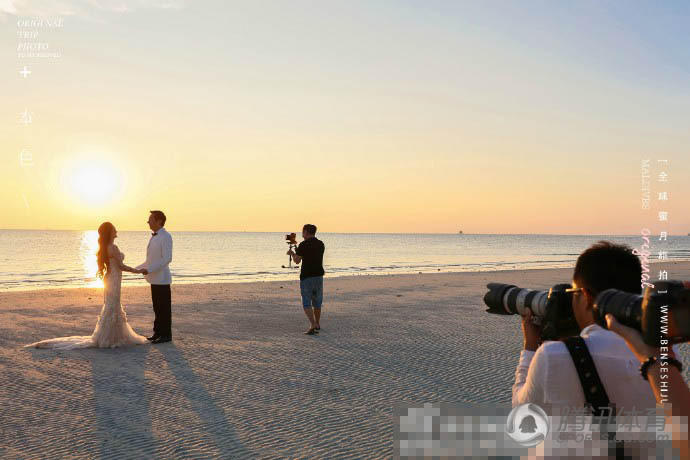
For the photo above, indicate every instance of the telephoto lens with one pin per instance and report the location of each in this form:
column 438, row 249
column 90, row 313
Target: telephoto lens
column 551, row 309
column 507, row 299
column 624, row 306
column 663, row 312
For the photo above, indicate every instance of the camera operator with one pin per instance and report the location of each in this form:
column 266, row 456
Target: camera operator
column 310, row 253
column 547, row 376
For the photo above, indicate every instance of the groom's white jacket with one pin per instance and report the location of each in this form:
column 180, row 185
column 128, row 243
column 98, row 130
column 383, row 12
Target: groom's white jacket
column 158, row 257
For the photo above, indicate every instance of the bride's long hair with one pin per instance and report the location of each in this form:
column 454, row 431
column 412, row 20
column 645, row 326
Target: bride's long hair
column 105, row 237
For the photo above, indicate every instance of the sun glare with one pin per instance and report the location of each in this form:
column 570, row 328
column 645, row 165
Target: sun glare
column 92, row 183
column 87, row 252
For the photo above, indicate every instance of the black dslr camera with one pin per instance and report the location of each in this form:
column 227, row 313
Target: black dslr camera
column 662, row 312
column 552, row 309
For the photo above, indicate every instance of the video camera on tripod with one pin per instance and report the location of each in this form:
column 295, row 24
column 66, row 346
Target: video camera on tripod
column 291, row 240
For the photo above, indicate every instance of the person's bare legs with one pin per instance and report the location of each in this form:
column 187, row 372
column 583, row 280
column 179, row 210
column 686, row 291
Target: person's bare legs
column 310, row 315
column 317, row 317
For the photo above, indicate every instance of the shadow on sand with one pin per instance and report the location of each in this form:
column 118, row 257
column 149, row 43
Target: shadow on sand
column 213, row 418
column 121, row 404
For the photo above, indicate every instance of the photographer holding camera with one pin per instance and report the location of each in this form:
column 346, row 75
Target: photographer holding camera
column 678, row 391
column 668, row 377
column 548, row 376
column 310, row 253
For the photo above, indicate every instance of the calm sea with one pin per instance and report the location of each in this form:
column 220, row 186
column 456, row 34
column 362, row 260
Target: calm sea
column 31, row 259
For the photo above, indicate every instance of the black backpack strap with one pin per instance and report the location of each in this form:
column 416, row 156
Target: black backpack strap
column 594, row 390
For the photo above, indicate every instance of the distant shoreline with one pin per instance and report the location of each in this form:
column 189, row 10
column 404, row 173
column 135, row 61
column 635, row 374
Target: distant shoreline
column 294, row 277
column 321, row 232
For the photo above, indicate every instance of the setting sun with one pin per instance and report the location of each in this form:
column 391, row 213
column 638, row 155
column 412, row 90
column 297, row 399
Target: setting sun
column 242, row 229
column 92, row 183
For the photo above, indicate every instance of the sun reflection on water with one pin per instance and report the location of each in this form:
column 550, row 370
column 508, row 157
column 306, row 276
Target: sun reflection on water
column 87, row 251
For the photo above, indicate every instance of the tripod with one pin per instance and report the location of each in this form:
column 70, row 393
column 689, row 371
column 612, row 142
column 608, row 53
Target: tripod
column 291, row 246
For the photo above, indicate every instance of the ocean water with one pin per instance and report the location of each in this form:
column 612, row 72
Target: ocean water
column 31, row 259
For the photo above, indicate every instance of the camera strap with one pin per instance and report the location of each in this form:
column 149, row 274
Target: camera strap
column 603, row 411
column 594, row 390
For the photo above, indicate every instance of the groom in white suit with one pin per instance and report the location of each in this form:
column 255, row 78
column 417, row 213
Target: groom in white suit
column 157, row 272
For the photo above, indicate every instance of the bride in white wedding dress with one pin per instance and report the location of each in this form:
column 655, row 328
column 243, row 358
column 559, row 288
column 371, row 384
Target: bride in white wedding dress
column 112, row 329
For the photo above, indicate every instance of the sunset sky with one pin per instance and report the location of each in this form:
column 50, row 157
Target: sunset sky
column 358, row 116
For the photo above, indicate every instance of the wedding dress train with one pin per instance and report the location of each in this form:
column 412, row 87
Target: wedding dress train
column 112, row 329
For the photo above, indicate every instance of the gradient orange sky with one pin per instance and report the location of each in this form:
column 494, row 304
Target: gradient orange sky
column 394, row 117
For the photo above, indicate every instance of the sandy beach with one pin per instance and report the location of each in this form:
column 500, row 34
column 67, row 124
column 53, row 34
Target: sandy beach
column 240, row 380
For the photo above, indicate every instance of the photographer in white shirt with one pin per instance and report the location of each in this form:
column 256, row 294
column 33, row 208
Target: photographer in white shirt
column 546, row 374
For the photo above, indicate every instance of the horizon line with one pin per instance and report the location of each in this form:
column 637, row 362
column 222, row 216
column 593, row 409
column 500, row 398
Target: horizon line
column 344, row 233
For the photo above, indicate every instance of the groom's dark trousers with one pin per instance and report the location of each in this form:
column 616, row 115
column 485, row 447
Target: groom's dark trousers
column 160, row 294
